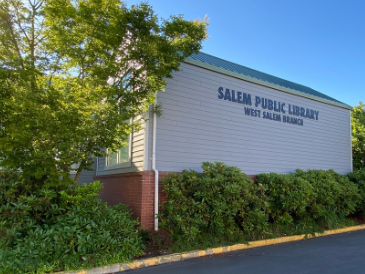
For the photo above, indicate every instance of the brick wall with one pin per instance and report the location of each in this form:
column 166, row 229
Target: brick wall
column 253, row 177
column 137, row 190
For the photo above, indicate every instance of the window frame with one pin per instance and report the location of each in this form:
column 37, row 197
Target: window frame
column 124, row 164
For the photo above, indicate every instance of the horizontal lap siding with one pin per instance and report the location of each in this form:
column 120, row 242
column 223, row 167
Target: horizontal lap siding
column 196, row 126
column 86, row 176
column 137, row 156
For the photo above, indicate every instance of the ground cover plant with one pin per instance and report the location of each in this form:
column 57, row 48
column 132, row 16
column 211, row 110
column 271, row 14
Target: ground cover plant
column 47, row 227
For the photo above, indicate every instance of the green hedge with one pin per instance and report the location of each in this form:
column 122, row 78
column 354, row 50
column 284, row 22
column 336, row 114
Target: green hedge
column 48, row 228
column 334, row 193
column 323, row 197
column 221, row 200
column 286, row 195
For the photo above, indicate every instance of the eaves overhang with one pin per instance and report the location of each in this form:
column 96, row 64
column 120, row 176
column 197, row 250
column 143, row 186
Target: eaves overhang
column 264, row 83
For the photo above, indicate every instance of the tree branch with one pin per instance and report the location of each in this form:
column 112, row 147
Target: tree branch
column 78, row 173
column 18, row 22
column 9, row 23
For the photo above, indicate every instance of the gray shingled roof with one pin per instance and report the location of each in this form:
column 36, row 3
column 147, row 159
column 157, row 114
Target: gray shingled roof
column 220, row 63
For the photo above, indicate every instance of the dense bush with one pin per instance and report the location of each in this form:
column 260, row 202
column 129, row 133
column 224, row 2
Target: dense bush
column 323, row 197
column 358, row 177
column 221, row 200
column 288, row 196
column 335, row 193
column 45, row 227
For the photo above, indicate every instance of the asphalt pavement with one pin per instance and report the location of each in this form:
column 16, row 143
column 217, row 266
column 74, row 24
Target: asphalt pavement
column 341, row 253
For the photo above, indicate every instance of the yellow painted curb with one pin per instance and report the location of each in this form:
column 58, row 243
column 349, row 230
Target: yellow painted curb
column 200, row 253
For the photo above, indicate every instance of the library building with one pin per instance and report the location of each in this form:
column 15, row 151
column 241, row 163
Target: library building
column 218, row 111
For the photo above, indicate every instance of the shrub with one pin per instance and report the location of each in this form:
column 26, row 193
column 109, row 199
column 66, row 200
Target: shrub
column 315, row 196
column 47, row 228
column 358, row 177
column 204, row 209
column 288, row 196
column 219, row 201
column 336, row 195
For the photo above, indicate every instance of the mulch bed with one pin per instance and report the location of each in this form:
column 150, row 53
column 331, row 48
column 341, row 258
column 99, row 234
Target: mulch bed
column 358, row 219
column 152, row 251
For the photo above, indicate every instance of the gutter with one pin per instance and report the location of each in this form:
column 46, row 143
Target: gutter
column 154, row 165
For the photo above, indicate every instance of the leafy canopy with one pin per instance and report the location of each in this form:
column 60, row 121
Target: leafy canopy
column 72, row 72
column 358, row 136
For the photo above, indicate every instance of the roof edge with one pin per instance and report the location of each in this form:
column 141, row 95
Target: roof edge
column 263, row 83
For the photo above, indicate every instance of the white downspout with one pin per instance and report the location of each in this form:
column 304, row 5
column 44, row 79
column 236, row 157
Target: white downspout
column 154, row 166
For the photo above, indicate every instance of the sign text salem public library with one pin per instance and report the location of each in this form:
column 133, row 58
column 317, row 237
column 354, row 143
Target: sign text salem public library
column 267, row 104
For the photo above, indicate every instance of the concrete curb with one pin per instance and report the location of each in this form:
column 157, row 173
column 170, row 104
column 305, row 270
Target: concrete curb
column 199, row 253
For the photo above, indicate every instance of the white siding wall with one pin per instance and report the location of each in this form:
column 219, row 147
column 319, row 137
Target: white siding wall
column 196, row 126
column 86, row 176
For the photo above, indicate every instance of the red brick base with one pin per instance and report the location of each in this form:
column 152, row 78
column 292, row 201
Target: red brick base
column 135, row 189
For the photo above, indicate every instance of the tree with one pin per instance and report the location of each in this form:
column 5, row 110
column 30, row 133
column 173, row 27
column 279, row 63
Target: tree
column 358, row 136
column 72, row 72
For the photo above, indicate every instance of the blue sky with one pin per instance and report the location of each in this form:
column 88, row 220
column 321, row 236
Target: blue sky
column 320, row 44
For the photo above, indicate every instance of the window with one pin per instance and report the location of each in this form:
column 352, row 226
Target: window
column 74, row 168
column 121, row 158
